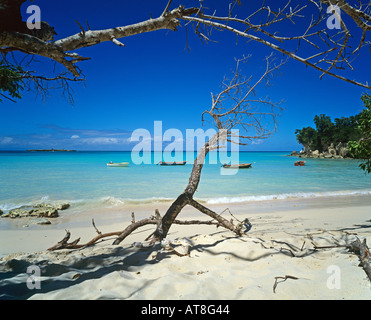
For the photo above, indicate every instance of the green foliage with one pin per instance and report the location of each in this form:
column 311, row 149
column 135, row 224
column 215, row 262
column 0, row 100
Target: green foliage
column 307, row 137
column 354, row 130
column 361, row 148
column 10, row 81
column 344, row 129
column 325, row 131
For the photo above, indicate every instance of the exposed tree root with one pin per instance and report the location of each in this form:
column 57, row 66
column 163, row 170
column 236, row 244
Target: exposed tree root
column 121, row 235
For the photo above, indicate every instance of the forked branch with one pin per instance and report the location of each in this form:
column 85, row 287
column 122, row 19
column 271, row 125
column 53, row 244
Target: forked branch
column 121, row 235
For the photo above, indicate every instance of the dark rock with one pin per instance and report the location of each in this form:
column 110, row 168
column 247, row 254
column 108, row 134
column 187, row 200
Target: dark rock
column 344, row 151
column 339, row 151
column 23, row 211
column 332, row 150
column 41, row 210
column 315, row 154
column 327, row 155
column 40, row 221
column 49, row 212
column 63, row 206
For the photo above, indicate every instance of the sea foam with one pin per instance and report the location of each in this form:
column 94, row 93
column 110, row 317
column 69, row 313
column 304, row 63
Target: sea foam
column 284, row 196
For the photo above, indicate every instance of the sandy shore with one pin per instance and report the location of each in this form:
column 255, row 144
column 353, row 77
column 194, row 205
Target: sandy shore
column 220, row 265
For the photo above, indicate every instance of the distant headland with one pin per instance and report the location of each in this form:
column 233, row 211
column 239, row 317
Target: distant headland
column 50, row 150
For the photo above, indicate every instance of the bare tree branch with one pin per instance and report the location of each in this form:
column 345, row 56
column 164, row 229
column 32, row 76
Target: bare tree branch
column 242, row 113
column 59, row 50
column 334, row 51
column 211, row 21
column 120, row 235
column 39, row 83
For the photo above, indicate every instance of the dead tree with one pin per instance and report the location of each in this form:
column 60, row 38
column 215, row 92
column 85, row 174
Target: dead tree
column 234, row 107
column 330, row 52
column 122, row 234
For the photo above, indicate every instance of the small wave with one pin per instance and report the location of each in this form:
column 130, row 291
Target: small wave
column 13, row 204
column 8, row 206
column 16, row 203
column 284, row 196
column 149, row 200
column 117, row 202
column 112, row 201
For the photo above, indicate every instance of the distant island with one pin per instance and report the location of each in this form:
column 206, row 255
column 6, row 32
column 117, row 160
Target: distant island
column 50, row 150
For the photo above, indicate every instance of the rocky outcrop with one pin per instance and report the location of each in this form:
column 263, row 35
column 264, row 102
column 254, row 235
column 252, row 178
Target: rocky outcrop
column 339, row 151
column 40, row 221
column 42, row 210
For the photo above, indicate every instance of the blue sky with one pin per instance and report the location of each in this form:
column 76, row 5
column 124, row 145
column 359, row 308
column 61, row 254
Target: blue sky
column 155, row 78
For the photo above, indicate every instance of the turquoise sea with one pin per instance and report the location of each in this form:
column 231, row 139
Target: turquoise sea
column 83, row 179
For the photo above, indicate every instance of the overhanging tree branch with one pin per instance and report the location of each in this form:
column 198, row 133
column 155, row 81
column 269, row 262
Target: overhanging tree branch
column 334, row 52
column 210, row 21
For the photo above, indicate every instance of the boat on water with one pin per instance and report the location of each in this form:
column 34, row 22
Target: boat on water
column 117, row 164
column 299, row 163
column 175, row 163
column 237, row 166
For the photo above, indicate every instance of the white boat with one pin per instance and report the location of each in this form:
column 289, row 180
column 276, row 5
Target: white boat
column 117, row 164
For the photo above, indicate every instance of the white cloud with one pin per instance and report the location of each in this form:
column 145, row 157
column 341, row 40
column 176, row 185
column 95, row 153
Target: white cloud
column 6, row 140
column 258, row 141
column 75, row 136
column 103, row 141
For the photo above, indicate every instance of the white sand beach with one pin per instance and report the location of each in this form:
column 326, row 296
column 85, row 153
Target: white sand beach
column 220, row 265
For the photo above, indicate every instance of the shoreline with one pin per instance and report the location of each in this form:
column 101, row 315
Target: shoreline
column 109, row 203
column 73, row 217
column 220, row 265
column 14, row 231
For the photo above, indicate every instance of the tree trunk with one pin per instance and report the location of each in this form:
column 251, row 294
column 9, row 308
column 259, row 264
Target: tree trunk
column 186, row 198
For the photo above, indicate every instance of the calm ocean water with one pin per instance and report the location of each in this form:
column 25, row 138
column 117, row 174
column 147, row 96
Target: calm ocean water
column 83, row 179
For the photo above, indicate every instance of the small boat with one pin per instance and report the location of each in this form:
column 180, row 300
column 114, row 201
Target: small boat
column 299, row 163
column 175, row 163
column 237, row 166
column 117, row 164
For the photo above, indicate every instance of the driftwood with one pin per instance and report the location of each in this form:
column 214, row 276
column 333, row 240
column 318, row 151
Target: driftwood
column 363, row 252
column 121, row 235
column 283, row 279
column 357, row 247
column 360, row 249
